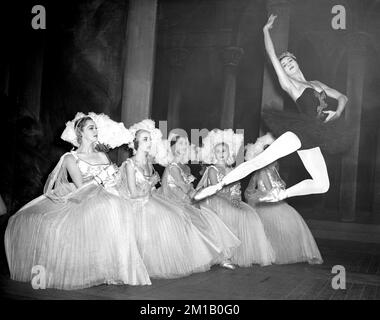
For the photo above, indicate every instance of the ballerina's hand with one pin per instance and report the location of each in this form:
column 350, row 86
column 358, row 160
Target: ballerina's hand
column 331, row 115
column 270, row 21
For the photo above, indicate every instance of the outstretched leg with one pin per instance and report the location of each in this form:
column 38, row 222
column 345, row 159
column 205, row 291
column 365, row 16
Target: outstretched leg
column 286, row 144
column 319, row 183
column 315, row 164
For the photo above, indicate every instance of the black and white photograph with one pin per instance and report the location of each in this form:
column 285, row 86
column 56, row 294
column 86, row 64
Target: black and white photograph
column 195, row 152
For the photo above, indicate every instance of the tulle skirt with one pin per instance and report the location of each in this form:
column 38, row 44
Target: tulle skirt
column 288, row 233
column 245, row 223
column 213, row 230
column 333, row 137
column 170, row 245
column 87, row 241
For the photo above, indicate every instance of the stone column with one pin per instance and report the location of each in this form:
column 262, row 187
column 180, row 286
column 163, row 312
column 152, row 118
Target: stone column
column 231, row 58
column 139, row 48
column 356, row 58
column 177, row 59
column 271, row 97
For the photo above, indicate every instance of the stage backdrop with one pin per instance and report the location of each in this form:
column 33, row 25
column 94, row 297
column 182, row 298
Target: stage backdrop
column 210, row 71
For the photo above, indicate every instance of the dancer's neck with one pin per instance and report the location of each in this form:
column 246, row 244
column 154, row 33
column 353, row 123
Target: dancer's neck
column 221, row 164
column 298, row 77
column 179, row 160
column 86, row 148
column 141, row 157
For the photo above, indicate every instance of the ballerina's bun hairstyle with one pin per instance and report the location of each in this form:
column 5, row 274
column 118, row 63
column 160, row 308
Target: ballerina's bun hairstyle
column 286, row 54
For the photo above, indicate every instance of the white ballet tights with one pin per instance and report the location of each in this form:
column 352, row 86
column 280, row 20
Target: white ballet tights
column 315, row 164
column 311, row 158
column 313, row 161
column 284, row 145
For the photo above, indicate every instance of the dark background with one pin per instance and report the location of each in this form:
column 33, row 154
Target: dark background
column 80, row 55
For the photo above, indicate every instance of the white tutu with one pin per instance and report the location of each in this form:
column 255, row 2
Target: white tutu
column 288, row 233
column 243, row 221
column 170, row 245
column 213, row 229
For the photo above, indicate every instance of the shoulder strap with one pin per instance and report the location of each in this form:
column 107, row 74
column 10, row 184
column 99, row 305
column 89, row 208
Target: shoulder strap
column 153, row 169
column 173, row 164
column 132, row 163
column 129, row 160
column 108, row 158
column 74, row 153
column 213, row 166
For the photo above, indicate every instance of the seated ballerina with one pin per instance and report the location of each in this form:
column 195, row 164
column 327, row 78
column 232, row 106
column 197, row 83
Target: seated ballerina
column 220, row 149
column 177, row 186
column 288, row 233
column 170, row 245
column 80, row 232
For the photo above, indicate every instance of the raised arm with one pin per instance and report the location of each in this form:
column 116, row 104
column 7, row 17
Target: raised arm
column 283, row 78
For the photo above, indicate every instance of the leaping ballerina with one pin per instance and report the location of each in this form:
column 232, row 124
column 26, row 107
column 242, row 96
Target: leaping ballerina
column 316, row 126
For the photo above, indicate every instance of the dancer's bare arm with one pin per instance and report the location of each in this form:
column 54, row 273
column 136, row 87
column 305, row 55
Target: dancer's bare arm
column 342, row 99
column 213, row 176
column 176, row 174
column 70, row 164
column 131, row 181
column 283, row 78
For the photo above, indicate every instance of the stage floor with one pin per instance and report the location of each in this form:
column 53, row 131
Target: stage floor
column 295, row 281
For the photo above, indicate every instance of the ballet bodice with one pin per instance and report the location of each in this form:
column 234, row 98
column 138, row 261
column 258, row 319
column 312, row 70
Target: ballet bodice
column 188, row 178
column 233, row 190
column 271, row 176
column 313, row 103
column 89, row 171
column 262, row 182
column 144, row 183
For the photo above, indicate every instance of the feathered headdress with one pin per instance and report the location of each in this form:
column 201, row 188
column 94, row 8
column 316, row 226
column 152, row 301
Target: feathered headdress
column 254, row 149
column 155, row 134
column 217, row 136
column 110, row 133
column 165, row 156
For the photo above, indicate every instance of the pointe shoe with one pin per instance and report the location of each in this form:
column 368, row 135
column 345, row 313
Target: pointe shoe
column 228, row 265
column 209, row 191
column 274, row 195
